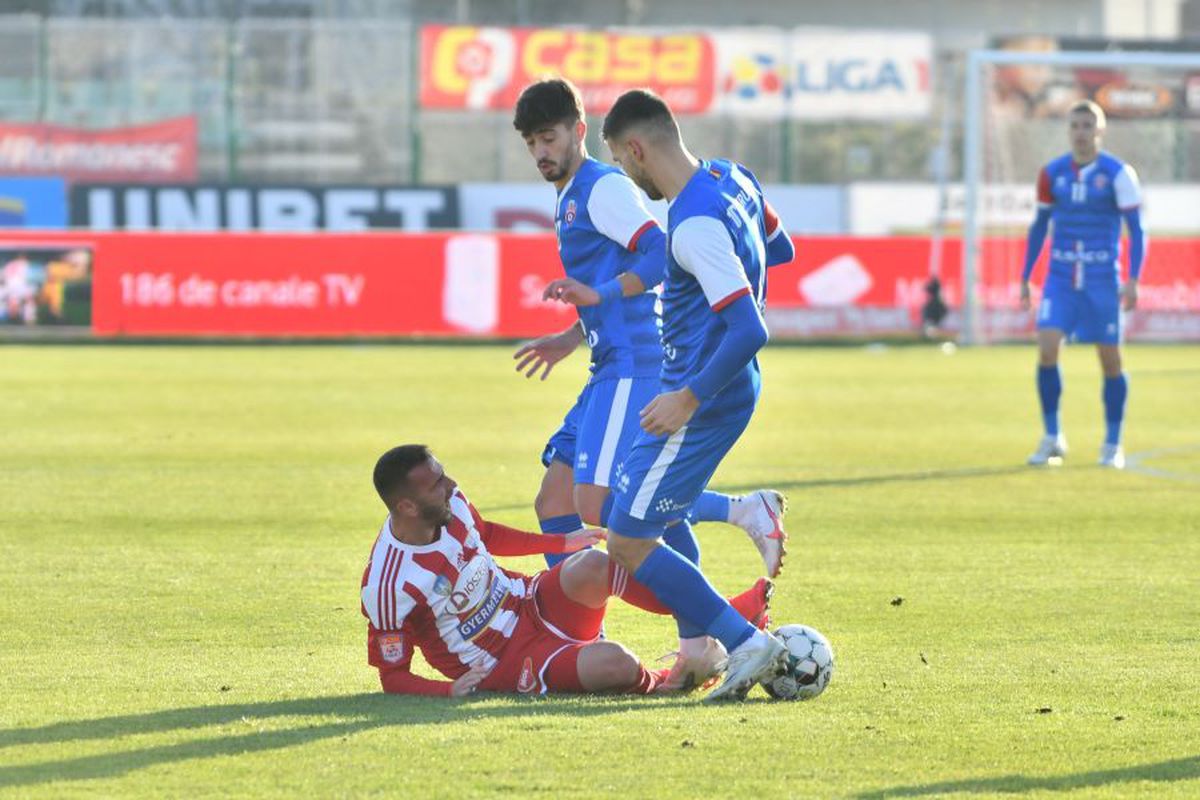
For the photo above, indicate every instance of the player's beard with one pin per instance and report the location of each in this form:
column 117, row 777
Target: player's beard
column 560, row 168
column 646, row 185
column 437, row 515
column 555, row 175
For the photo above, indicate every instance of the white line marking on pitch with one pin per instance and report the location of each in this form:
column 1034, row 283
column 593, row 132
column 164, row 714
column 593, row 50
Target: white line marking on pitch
column 1134, row 462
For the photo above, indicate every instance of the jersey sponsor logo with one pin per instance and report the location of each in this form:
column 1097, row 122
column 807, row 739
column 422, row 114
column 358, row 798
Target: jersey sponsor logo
column 391, row 647
column 528, row 681
column 479, row 620
column 569, row 216
column 1082, row 256
column 442, row 586
column 666, row 505
column 470, row 590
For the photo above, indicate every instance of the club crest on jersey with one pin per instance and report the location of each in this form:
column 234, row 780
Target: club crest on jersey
column 442, row 586
column 1060, row 181
column 391, row 647
column 1100, row 181
column 569, row 216
column 528, row 681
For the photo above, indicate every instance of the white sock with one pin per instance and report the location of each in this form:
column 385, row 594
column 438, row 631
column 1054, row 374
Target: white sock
column 693, row 647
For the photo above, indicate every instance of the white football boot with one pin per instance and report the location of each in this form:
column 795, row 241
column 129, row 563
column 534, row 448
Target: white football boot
column 760, row 515
column 1050, row 451
column 693, row 672
column 1112, row 455
column 758, row 658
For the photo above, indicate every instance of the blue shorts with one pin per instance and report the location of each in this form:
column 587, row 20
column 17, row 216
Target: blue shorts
column 600, row 428
column 663, row 476
column 1090, row 314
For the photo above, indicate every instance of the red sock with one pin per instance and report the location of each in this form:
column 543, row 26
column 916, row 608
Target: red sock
column 648, row 680
column 621, row 584
column 752, row 603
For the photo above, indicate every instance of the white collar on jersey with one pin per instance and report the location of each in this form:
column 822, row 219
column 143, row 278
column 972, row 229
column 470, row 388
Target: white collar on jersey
column 416, row 548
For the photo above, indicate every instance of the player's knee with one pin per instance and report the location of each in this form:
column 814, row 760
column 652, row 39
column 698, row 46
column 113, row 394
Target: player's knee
column 589, row 504
column 551, row 502
column 589, row 566
column 614, row 666
column 628, row 551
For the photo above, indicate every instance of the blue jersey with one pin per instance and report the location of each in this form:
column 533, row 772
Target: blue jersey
column 1085, row 205
column 599, row 218
column 716, row 253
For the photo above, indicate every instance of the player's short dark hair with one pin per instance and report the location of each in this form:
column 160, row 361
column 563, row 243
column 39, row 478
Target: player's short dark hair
column 635, row 107
column 392, row 468
column 547, row 103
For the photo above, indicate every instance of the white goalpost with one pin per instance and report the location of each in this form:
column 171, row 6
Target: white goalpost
column 1003, row 139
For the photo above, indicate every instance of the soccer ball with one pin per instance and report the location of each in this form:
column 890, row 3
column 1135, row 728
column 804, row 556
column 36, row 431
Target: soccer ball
column 809, row 664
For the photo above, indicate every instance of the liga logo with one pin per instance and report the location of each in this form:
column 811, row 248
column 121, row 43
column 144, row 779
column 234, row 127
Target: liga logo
column 755, row 75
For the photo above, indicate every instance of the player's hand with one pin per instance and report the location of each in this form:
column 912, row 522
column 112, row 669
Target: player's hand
column 1026, row 299
column 466, row 683
column 545, row 352
column 1129, row 295
column 569, row 290
column 669, row 412
column 582, row 539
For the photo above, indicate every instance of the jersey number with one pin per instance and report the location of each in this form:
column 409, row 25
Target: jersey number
column 1078, row 192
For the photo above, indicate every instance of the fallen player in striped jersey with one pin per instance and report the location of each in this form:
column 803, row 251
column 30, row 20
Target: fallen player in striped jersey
column 432, row 583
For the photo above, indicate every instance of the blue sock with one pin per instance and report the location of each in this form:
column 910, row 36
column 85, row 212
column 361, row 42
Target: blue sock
column 567, row 523
column 605, row 510
column 682, row 540
column 710, row 507
column 1049, row 383
column 680, row 586
column 1115, row 391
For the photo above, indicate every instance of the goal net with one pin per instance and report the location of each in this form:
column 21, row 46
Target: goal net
column 1015, row 120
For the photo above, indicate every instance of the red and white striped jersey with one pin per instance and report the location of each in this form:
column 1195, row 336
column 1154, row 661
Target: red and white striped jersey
column 449, row 597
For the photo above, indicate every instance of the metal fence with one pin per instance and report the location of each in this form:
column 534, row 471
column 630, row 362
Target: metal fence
column 328, row 101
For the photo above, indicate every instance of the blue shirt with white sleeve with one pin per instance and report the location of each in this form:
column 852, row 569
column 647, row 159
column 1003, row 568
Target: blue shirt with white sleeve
column 604, row 229
column 714, row 290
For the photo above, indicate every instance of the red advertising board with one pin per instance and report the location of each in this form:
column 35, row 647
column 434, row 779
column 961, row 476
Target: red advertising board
column 482, row 285
column 160, row 152
column 469, row 67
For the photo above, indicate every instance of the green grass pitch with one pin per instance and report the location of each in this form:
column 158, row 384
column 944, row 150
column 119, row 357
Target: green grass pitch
column 183, row 529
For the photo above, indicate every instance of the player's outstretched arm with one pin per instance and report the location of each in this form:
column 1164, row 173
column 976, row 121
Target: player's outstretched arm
column 502, row 540
column 403, row 681
column 543, row 353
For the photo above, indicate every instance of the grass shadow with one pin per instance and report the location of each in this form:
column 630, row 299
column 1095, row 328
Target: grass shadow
column 355, row 713
column 825, row 483
column 1179, row 769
